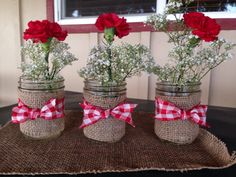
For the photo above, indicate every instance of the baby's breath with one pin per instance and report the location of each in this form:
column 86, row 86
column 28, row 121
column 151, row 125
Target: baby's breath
column 189, row 60
column 126, row 61
column 35, row 66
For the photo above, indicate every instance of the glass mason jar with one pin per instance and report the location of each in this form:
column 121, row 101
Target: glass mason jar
column 106, row 97
column 185, row 97
column 35, row 94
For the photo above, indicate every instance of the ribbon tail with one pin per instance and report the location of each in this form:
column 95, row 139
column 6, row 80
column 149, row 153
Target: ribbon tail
column 127, row 119
column 130, row 121
column 124, row 113
column 60, row 108
column 87, row 121
column 200, row 121
column 20, row 103
column 19, row 114
column 91, row 114
column 166, row 111
column 198, row 115
column 82, row 105
column 60, row 105
column 53, row 109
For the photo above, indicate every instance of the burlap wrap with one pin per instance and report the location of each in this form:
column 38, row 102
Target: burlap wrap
column 105, row 130
column 40, row 128
column 179, row 131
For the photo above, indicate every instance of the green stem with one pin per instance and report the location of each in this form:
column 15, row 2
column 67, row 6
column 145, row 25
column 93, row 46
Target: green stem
column 46, row 47
column 210, row 69
column 181, row 75
column 128, row 74
column 47, row 60
column 109, row 37
column 53, row 72
column 110, row 63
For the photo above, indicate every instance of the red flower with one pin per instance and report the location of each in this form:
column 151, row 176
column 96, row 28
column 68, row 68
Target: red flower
column 208, row 31
column 204, row 27
column 41, row 31
column 122, row 28
column 111, row 20
column 193, row 19
column 36, row 31
column 54, row 30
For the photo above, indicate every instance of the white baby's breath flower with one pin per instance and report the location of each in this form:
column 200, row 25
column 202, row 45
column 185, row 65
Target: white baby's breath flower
column 190, row 57
column 127, row 60
column 35, row 67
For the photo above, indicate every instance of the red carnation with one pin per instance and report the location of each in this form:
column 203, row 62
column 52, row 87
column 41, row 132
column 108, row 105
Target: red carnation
column 111, row 20
column 36, row 31
column 193, row 19
column 208, row 31
column 122, row 28
column 41, row 31
column 54, row 30
column 204, row 27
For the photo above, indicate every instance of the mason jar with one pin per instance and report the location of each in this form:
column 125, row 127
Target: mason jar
column 184, row 97
column 105, row 97
column 35, row 94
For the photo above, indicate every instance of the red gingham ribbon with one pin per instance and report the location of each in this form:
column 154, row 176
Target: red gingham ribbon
column 167, row 111
column 53, row 109
column 92, row 114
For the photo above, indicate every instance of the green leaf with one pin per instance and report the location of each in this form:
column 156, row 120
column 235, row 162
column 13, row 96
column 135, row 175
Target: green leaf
column 109, row 34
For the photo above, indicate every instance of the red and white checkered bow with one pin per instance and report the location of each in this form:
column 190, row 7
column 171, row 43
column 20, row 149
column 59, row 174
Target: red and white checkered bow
column 92, row 114
column 53, row 109
column 167, row 111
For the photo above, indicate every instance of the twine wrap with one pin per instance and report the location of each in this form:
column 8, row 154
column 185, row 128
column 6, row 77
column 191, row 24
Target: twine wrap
column 36, row 97
column 178, row 131
column 110, row 129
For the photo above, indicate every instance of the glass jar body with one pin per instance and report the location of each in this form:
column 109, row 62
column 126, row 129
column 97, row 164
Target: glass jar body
column 185, row 97
column 105, row 97
column 35, row 94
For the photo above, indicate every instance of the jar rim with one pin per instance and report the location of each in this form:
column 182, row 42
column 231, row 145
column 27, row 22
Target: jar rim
column 171, row 84
column 28, row 81
column 25, row 83
column 97, row 83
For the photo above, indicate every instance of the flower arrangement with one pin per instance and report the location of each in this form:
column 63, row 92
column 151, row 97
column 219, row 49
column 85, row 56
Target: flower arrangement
column 110, row 63
column 190, row 61
column 45, row 53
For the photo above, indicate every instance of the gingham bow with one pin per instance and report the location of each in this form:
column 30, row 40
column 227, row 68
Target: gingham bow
column 167, row 111
column 53, row 109
column 92, row 114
